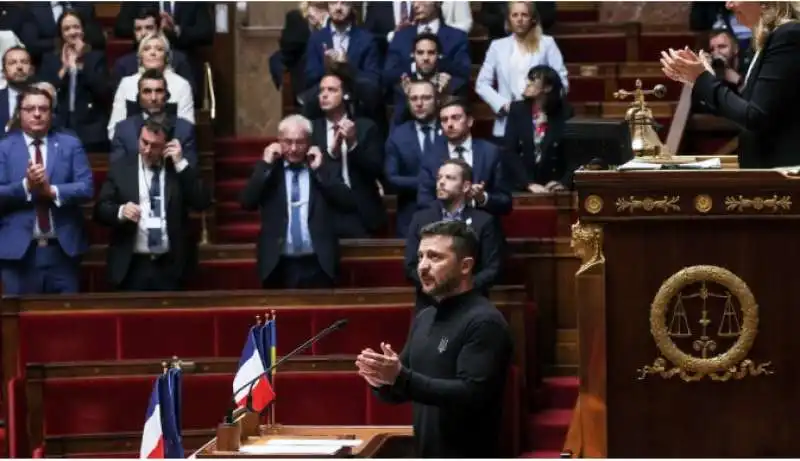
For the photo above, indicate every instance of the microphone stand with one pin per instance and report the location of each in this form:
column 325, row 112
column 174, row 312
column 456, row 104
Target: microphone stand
column 251, row 384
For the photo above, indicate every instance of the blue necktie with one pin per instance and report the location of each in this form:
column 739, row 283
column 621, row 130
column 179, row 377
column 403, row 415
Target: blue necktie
column 155, row 236
column 427, row 143
column 296, row 226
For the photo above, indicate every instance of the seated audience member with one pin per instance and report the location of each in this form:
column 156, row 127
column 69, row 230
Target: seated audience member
column 494, row 16
column 508, row 60
column 146, row 200
column 489, row 190
column 297, row 189
column 355, row 144
column 730, row 63
column 18, row 71
column 40, row 28
column 533, row 154
column 407, row 146
column 152, row 99
column 343, row 42
column 188, row 26
column 153, row 54
column 706, row 16
column 44, row 181
column 383, row 19
column 298, row 26
column 426, row 60
column 147, row 22
column 454, row 46
column 453, row 186
column 80, row 76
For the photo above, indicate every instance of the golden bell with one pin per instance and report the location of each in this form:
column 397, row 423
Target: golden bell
column 644, row 139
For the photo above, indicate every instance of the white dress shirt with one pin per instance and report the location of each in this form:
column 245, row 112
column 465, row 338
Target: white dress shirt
column 467, row 145
column 12, row 104
column 141, row 245
column 162, row 7
column 180, row 92
column 331, row 136
column 58, row 10
column 37, row 233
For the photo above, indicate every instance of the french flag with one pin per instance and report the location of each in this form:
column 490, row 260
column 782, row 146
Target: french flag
column 153, row 435
column 251, row 366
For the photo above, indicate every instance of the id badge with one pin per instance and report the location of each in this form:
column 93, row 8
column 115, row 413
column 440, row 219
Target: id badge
column 153, row 222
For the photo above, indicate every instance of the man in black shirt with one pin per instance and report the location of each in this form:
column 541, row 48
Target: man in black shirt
column 454, row 365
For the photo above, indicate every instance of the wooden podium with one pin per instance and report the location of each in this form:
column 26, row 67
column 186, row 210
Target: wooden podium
column 687, row 313
column 241, row 438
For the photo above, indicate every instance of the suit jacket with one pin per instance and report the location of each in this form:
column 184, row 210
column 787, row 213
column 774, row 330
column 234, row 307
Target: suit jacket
column 491, row 247
column 91, row 95
column 129, row 64
column 266, row 190
column 365, row 168
column 292, row 46
column 126, row 138
column 68, row 170
column 487, row 168
column 193, row 18
column 379, row 19
column 402, row 167
column 184, row 191
column 457, row 87
column 765, row 109
column 519, row 150
column 12, row 18
column 362, row 55
column 40, row 27
column 454, row 60
column 496, row 70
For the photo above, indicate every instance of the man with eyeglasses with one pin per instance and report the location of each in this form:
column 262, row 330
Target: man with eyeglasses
column 45, row 177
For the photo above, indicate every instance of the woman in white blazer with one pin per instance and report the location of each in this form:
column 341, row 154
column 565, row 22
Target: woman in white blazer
column 153, row 53
column 509, row 59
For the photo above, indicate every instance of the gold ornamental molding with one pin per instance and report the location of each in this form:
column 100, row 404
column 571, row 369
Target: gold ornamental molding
column 632, row 203
column 703, row 203
column 773, row 203
column 593, row 204
column 587, row 243
column 703, row 360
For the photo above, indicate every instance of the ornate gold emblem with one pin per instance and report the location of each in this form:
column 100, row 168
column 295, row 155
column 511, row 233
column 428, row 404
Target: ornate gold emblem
column 587, row 243
column 593, row 204
column 737, row 327
column 703, row 203
column 774, row 203
column 666, row 204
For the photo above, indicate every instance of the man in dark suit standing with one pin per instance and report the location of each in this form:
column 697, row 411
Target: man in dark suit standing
column 45, row 177
column 146, row 199
column 489, row 190
column 40, row 28
column 408, row 144
column 356, row 145
column 153, row 96
column 297, row 189
column 454, row 46
column 146, row 22
column 18, row 71
column 453, row 186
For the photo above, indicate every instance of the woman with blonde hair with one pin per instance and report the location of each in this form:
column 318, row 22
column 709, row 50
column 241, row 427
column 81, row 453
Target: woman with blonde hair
column 508, row 60
column 153, row 53
column 766, row 105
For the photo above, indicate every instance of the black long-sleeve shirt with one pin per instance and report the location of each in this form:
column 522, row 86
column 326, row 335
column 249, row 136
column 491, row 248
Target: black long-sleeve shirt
column 455, row 365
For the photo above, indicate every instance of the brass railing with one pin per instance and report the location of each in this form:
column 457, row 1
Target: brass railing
column 210, row 94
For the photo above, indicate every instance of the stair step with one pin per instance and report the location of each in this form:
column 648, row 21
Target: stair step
column 548, row 429
column 559, row 392
column 543, row 454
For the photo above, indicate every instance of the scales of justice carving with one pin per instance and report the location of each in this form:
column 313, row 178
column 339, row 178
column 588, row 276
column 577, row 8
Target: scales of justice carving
column 704, row 327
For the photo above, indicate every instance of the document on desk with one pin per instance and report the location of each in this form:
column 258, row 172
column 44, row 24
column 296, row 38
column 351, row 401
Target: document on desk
column 304, row 446
column 640, row 165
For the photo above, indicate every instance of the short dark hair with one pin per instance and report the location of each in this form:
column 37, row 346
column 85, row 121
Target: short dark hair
column 465, row 241
column 724, row 31
column 153, row 74
column 466, row 170
column 157, row 124
column 554, row 100
column 15, row 48
column 427, row 36
column 146, row 12
column 30, row 90
column 455, row 101
column 342, row 73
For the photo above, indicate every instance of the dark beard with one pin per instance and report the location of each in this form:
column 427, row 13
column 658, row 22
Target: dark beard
column 446, row 287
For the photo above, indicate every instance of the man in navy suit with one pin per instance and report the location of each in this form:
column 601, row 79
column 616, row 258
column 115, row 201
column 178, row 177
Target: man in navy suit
column 40, row 28
column 489, row 190
column 18, row 71
column 45, row 176
column 454, row 58
column 342, row 42
column 153, row 95
column 146, row 22
column 407, row 145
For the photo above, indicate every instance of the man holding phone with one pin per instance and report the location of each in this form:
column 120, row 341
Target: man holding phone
column 146, row 199
column 298, row 190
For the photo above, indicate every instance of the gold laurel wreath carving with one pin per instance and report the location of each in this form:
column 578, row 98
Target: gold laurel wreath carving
column 665, row 204
column 731, row 364
column 773, row 203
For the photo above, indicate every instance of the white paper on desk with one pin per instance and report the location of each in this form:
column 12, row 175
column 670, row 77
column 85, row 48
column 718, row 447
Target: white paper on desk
column 639, row 165
column 315, row 442
column 299, row 447
column 635, row 164
column 710, row 164
column 788, row 169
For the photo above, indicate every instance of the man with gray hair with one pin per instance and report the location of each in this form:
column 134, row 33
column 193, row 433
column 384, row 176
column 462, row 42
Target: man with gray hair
column 298, row 190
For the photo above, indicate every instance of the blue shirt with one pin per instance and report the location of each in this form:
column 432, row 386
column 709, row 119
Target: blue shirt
column 305, row 190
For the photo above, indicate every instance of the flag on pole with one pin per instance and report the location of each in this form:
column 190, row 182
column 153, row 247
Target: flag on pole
column 153, row 435
column 251, row 367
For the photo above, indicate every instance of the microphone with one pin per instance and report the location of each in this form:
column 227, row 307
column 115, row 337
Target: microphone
column 251, row 384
